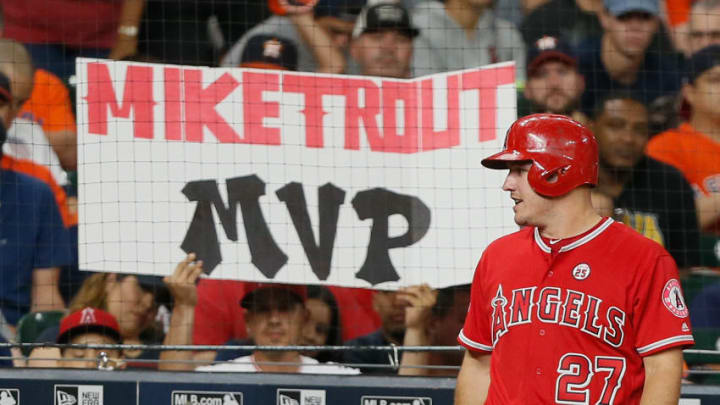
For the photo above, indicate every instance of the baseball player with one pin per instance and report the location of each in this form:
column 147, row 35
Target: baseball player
column 573, row 308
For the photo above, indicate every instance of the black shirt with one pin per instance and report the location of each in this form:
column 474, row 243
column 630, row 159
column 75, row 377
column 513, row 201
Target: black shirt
column 658, row 80
column 562, row 19
column 369, row 356
column 659, row 203
column 176, row 31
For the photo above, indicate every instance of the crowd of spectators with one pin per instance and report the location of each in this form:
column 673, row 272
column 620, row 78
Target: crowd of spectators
column 644, row 75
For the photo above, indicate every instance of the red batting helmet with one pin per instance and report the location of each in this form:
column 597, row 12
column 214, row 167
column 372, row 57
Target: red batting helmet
column 564, row 154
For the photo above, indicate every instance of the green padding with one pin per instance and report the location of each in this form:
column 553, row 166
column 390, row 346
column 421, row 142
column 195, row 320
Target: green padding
column 705, row 339
column 33, row 324
column 696, row 281
column 709, row 250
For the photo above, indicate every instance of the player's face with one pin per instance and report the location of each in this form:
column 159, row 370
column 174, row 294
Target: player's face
column 384, row 53
column 555, row 87
column 704, row 29
column 276, row 326
column 704, row 94
column 621, row 130
column 630, row 33
column 530, row 207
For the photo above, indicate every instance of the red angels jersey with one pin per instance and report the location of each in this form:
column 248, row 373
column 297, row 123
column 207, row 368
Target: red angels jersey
column 570, row 322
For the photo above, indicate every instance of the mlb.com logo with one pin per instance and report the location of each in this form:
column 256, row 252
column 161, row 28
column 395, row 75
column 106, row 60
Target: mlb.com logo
column 390, row 400
column 206, row 398
column 9, row 396
column 300, row 397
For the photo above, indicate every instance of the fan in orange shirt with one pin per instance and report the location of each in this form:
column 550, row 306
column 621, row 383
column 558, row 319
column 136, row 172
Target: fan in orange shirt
column 49, row 105
column 694, row 146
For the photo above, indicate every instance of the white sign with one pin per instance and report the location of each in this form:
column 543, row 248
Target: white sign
column 289, row 176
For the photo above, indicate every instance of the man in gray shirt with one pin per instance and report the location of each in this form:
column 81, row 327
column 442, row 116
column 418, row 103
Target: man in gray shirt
column 461, row 34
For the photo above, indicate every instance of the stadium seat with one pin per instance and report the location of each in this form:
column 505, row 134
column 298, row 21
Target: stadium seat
column 33, row 324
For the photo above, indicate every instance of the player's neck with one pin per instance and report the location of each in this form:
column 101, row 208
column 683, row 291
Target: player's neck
column 572, row 216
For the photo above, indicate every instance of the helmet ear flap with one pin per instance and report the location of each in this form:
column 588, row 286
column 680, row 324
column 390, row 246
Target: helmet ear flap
column 549, row 182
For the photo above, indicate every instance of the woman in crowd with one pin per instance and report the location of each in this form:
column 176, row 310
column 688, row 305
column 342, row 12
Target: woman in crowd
column 134, row 300
column 323, row 326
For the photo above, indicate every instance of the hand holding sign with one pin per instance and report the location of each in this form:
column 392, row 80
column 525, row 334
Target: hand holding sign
column 182, row 283
column 420, row 299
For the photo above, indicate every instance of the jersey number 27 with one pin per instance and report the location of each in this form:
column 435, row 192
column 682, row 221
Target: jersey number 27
column 577, row 371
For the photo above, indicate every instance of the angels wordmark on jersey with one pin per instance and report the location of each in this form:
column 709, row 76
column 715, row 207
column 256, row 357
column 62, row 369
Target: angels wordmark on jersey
column 557, row 305
column 573, row 309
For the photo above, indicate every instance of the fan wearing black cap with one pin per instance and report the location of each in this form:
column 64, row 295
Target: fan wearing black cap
column 318, row 29
column 382, row 41
column 554, row 84
column 274, row 316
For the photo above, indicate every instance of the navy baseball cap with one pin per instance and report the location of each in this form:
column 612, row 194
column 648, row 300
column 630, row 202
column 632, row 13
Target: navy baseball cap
column 269, row 52
column 384, row 16
column 347, row 10
column 620, row 7
column 549, row 48
column 702, row 61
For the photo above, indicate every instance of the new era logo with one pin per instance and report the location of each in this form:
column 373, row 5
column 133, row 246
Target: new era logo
column 286, row 400
column 300, row 397
column 65, row 398
column 78, row 395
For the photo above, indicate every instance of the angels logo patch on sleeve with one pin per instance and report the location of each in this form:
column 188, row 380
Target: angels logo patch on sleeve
column 673, row 300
